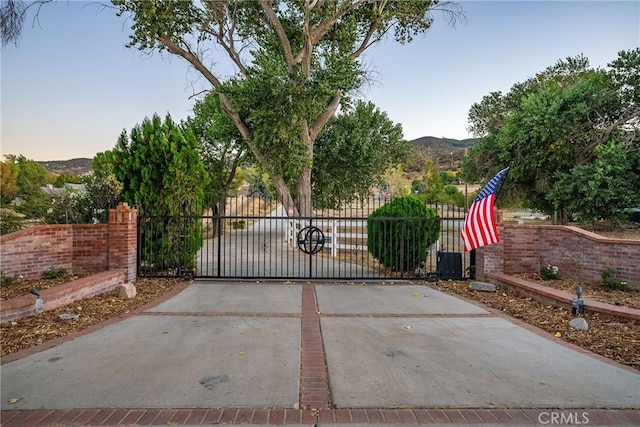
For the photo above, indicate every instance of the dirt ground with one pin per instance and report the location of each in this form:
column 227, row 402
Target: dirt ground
column 615, row 338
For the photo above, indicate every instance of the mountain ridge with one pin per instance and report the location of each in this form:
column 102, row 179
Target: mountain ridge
column 441, row 149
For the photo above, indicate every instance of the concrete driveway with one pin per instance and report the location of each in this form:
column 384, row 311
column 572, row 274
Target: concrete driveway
column 315, row 353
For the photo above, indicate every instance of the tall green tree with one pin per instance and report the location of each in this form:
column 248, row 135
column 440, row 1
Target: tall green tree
column 32, row 176
column 552, row 123
column 221, row 147
column 433, row 185
column 295, row 63
column 8, row 183
column 353, row 153
column 161, row 172
column 601, row 189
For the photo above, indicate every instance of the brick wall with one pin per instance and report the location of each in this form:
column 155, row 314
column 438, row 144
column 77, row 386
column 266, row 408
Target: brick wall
column 32, row 251
column 123, row 240
column 90, row 252
column 79, row 248
column 577, row 253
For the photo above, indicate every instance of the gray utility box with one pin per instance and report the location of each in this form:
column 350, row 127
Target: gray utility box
column 449, row 265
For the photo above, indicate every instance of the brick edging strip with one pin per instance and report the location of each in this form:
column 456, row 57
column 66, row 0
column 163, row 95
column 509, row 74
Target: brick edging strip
column 282, row 416
column 314, row 377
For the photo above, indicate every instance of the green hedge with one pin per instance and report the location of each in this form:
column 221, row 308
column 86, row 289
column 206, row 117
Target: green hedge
column 400, row 231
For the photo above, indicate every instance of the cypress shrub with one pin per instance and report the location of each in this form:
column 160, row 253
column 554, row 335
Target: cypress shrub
column 400, row 231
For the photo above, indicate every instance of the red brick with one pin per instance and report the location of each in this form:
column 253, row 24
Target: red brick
column 406, row 416
column 164, row 416
column 132, row 417
column 180, row 417
column 423, row 416
column 359, row 416
column 260, row 416
column 244, row 416
column 276, row 416
column 212, row 416
column 116, row 417
column 228, row 416
column 100, row 416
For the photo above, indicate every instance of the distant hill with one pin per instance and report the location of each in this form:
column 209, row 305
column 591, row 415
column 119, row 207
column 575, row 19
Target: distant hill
column 432, row 141
column 445, row 152
column 76, row 167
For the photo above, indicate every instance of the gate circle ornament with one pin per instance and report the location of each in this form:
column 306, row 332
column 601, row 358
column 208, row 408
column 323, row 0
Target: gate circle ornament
column 310, row 240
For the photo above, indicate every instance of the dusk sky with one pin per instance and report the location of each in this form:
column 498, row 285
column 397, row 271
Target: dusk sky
column 71, row 86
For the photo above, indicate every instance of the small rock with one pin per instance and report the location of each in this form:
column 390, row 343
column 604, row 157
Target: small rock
column 127, row 291
column 579, row 323
column 67, row 316
column 482, row 286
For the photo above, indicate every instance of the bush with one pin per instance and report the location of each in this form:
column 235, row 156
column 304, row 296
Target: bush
column 10, row 222
column 609, row 282
column 6, row 279
column 400, row 232
column 549, row 272
column 54, row 273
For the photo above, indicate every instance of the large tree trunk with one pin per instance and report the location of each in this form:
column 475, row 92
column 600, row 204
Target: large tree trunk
column 285, row 195
column 303, row 185
column 303, row 196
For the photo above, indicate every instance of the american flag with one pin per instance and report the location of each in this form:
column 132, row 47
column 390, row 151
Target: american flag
column 479, row 227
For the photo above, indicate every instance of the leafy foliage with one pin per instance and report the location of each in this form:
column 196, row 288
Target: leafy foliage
column 602, row 189
column 294, row 65
column 400, row 232
column 220, row 146
column 610, row 282
column 31, row 177
column 551, row 129
column 8, row 279
column 352, row 154
column 161, row 172
column 549, row 272
column 66, row 178
column 433, row 186
column 8, row 183
column 259, row 184
column 10, row 222
column 54, row 273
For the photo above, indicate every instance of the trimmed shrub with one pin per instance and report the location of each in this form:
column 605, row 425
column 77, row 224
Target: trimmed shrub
column 549, row 272
column 55, row 273
column 400, row 231
column 611, row 283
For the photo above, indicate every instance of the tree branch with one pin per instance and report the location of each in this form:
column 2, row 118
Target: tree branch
column 631, row 114
column 317, row 32
column 224, row 35
column 365, row 42
column 174, row 48
column 317, row 126
column 267, row 7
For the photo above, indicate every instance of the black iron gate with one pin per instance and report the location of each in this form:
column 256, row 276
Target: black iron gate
column 260, row 239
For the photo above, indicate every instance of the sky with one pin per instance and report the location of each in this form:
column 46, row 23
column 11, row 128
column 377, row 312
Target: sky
column 70, row 86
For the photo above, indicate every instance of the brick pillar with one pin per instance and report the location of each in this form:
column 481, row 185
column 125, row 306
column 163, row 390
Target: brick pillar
column 123, row 224
column 490, row 259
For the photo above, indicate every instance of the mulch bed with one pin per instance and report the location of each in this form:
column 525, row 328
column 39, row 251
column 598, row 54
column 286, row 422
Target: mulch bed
column 594, row 291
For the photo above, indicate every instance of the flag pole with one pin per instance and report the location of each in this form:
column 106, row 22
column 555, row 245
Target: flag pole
column 504, row 178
